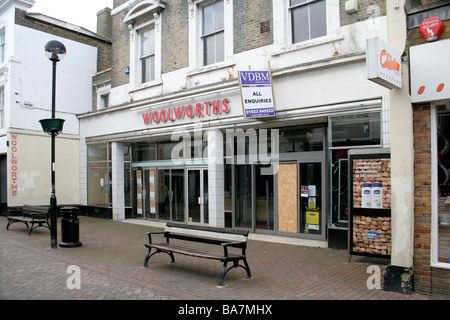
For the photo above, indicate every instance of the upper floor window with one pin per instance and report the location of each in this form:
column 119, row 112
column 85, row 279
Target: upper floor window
column 2, row 107
column 308, row 19
column 147, row 54
column 210, row 34
column 2, row 45
column 144, row 20
column 213, row 31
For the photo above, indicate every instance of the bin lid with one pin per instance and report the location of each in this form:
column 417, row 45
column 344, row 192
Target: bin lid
column 69, row 208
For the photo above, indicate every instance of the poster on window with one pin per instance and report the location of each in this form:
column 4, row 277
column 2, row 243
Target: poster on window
column 152, row 191
column 372, row 183
column 139, row 191
column 370, row 204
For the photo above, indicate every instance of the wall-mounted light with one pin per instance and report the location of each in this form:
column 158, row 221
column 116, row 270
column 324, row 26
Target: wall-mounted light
column 351, row 6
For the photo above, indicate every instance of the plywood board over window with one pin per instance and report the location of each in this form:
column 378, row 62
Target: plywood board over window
column 287, row 197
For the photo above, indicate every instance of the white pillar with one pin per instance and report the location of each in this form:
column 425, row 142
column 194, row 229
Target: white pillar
column 117, row 168
column 402, row 148
column 215, row 179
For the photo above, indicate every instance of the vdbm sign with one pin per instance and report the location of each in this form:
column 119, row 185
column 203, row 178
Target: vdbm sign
column 256, row 94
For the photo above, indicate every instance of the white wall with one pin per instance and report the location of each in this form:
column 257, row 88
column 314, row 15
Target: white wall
column 28, row 162
column 31, row 78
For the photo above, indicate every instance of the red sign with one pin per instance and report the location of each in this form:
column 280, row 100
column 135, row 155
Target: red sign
column 200, row 110
column 431, row 28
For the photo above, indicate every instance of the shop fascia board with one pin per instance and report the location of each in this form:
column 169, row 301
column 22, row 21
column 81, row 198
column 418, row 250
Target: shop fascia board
column 170, row 98
column 320, row 64
column 282, row 119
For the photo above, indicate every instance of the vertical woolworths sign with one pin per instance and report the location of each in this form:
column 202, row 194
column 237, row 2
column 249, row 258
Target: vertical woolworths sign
column 13, row 167
column 26, row 163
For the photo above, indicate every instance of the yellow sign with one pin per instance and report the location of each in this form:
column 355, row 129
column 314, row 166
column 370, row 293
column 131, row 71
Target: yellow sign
column 312, row 217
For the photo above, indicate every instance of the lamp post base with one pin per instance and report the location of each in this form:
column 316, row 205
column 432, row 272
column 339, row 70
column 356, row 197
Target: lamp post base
column 70, row 244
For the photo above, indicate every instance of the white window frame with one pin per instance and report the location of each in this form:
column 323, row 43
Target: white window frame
column 142, row 14
column 213, row 34
column 2, row 44
column 140, row 57
column 195, row 35
column 283, row 26
column 135, row 63
column 434, row 192
column 101, row 91
column 2, row 107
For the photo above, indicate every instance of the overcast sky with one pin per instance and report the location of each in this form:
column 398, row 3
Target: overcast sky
column 79, row 12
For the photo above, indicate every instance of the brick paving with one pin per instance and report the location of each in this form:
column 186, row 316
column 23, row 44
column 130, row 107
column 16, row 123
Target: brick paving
column 111, row 265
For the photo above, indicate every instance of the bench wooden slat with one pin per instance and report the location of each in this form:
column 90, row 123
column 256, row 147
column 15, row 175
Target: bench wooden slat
column 207, row 235
column 201, row 253
column 35, row 215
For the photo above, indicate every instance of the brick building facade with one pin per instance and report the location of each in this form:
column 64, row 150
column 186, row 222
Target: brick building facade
column 133, row 134
column 431, row 275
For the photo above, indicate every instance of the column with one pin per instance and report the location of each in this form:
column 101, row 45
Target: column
column 117, row 172
column 398, row 275
column 215, row 179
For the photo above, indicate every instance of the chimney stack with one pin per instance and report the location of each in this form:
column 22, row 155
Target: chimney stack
column 104, row 23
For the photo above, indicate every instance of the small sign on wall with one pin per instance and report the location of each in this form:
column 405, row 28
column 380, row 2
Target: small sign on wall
column 257, row 94
column 383, row 64
column 430, row 76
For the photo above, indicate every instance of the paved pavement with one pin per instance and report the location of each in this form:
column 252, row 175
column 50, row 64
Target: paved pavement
column 111, row 257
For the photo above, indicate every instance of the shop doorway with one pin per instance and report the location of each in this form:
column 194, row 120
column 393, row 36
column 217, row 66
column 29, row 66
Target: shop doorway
column 160, row 194
column 197, row 195
column 300, row 197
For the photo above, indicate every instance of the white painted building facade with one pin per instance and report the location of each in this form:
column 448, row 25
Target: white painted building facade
column 127, row 164
column 26, row 88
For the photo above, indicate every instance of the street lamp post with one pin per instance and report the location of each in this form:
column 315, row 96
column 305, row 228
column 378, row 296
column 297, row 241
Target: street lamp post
column 55, row 51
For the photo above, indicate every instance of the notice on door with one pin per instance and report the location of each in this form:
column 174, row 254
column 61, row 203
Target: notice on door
column 139, row 191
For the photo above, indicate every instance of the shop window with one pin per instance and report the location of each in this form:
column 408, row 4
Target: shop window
column 442, row 156
column 294, row 139
column 99, row 175
column 356, row 130
column 144, row 151
column 349, row 131
column 264, row 197
column 243, row 198
column 308, row 19
column 339, row 188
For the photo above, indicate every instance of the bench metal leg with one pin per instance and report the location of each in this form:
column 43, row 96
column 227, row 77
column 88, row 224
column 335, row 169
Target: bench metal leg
column 235, row 265
column 40, row 225
column 10, row 222
column 223, row 273
column 247, row 268
column 148, row 256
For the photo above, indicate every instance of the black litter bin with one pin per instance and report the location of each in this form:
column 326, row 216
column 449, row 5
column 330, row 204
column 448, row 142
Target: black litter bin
column 70, row 227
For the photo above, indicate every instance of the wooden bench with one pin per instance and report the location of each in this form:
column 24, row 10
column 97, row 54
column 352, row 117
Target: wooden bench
column 203, row 234
column 37, row 216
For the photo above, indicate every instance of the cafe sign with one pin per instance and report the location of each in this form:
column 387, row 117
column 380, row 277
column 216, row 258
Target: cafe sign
column 383, row 64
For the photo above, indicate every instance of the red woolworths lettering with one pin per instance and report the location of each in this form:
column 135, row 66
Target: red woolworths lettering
column 199, row 110
column 14, row 165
